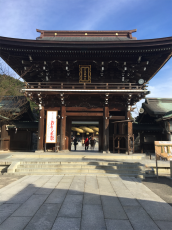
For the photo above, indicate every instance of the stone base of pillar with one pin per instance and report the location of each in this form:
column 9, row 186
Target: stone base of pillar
column 106, row 152
column 39, row 151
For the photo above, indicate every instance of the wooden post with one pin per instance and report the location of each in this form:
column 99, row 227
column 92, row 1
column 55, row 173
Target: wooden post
column 141, row 141
column 5, row 138
column 100, row 135
column 40, row 143
column 106, row 129
column 127, row 114
column 68, row 133
column 62, row 127
column 130, row 135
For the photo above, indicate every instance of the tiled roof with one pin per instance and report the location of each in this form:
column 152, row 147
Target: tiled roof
column 157, row 106
column 85, row 39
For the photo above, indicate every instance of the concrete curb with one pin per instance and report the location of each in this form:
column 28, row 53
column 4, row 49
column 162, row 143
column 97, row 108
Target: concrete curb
column 13, row 167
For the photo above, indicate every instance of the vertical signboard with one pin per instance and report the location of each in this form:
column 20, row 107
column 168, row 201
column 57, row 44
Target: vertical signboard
column 51, row 127
column 84, row 73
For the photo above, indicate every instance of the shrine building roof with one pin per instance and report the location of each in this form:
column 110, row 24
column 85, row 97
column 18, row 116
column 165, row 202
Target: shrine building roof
column 114, row 56
column 86, row 36
column 157, row 106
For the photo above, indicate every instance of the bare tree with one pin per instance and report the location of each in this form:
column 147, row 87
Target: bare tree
column 12, row 102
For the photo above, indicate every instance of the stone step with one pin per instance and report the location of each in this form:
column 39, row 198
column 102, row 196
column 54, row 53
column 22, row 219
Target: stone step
column 78, row 162
column 86, row 156
column 80, row 166
column 86, row 170
column 140, row 175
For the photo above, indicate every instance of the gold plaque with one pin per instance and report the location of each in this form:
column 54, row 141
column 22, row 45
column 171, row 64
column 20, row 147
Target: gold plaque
column 85, row 73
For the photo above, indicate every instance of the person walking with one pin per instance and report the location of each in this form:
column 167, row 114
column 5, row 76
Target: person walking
column 75, row 142
column 86, row 143
column 92, row 143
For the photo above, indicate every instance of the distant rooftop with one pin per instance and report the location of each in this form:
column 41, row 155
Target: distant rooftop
column 60, row 35
column 157, row 106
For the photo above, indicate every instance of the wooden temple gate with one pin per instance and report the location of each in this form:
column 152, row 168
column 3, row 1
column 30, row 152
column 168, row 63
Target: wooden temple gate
column 87, row 75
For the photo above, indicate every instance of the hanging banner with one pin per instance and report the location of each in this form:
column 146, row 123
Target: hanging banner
column 51, row 127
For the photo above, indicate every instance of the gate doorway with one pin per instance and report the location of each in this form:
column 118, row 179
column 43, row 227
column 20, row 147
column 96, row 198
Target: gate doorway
column 80, row 130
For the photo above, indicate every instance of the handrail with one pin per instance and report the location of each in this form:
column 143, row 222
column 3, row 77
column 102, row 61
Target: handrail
column 55, row 85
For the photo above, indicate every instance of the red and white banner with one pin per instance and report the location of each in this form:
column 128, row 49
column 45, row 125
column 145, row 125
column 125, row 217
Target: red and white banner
column 51, row 127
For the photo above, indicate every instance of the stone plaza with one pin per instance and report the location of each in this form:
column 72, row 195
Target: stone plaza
column 73, row 202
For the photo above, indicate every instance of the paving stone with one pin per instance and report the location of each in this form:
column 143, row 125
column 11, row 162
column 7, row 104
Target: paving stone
column 92, row 218
column 5, row 197
column 41, row 181
column 63, row 223
column 76, row 188
column 16, row 189
column 44, row 218
column 112, row 208
column 65, row 180
column 139, row 219
column 22, row 196
column 12, row 184
column 164, row 225
column 91, row 199
column 30, row 206
column 62, row 185
column 118, row 224
column 74, row 199
column 55, row 179
column 15, row 223
column 30, row 179
column 154, row 209
column 91, row 191
column 57, row 196
column 6, row 210
column 46, row 189
column 70, row 210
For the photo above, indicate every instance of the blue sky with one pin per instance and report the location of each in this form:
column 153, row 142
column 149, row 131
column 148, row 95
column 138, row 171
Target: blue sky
column 151, row 18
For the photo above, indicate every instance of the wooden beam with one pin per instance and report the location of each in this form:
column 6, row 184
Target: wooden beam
column 84, row 114
column 83, row 109
column 52, row 108
column 117, row 118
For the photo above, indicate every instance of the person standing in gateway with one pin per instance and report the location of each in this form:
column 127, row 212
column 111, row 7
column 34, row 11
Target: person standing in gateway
column 75, row 142
column 86, row 143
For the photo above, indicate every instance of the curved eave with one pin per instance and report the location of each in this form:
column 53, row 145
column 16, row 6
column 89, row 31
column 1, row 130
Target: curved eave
column 4, row 41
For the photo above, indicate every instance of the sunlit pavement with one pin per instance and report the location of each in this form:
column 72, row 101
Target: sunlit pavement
column 82, row 202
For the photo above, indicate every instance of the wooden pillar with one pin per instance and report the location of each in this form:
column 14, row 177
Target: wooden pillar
column 127, row 114
column 101, row 135
column 62, row 127
column 68, row 133
column 141, row 142
column 5, row 138
column 106, row 129
column 130, row 138
column 40, row 143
